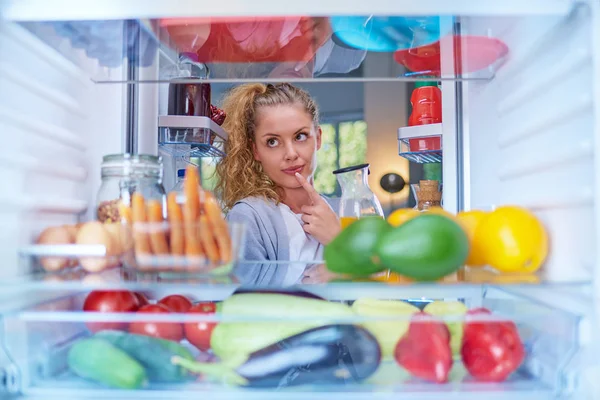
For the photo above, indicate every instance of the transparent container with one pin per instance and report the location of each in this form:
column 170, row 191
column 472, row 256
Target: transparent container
column 347, row 342
column 357, row 199
column 124, row 174
column 199, row 248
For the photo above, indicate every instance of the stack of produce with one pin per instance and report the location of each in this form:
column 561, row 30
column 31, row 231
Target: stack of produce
column 432, row 244
column 290, row 337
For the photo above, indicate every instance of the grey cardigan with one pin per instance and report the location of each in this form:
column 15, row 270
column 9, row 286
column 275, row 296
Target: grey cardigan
column 266, row 239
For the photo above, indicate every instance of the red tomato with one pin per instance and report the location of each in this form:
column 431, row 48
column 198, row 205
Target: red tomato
column 199, row 333
column 142, row 299
column 164, row 330
column 109, row 301
column 176, row 303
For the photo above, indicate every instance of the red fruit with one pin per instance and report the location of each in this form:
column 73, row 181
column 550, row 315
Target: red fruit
column 199, row 333
column 176, row 303
column 164, row 330
column 424, row 350
column 110, row 302
column 491, row 350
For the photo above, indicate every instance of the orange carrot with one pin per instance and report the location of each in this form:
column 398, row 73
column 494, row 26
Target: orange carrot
column 158, row 239
column 218, row 225
column 176, row 222
column 190, row 188
column 208, row 240
column 138, row 214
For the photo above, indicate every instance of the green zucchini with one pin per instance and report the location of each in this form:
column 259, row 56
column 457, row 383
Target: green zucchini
column 153, row 353
column 100, row 361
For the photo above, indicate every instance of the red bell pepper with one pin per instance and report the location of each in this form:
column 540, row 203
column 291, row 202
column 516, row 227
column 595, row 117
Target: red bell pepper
column 491, row 350
column 424, row 350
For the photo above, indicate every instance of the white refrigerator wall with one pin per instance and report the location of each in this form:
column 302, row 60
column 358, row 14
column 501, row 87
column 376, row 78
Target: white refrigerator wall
column 529, row 133
column 55, row 125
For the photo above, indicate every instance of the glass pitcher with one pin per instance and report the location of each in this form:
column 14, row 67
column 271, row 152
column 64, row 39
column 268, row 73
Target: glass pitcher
column 357, row 198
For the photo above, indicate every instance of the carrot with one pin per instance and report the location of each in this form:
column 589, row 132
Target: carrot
column 158, row 239
column 190, row 188
column 191, row 212
column 138, row 216
column 176, row 222
column 208, row 240
column 219, row 226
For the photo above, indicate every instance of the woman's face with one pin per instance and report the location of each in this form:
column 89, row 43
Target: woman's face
column 286, row 142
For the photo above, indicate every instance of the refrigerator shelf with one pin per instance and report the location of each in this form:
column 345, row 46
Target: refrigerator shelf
column 421, row 143
column 190, row 136
column 38, row 338
column 241, row 48
column 310, row 277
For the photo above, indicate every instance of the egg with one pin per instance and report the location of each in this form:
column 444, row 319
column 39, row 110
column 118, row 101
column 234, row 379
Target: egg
column 95, row 233
column 55, row 235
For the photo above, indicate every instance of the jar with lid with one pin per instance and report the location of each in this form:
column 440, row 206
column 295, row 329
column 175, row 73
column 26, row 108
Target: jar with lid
column 124, row 174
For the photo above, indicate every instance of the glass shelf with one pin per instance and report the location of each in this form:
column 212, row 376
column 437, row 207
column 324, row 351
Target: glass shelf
column 281, row 48
column 312, row 276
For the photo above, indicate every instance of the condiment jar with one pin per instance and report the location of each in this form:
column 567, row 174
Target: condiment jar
column 426, row 100
column 124, row 174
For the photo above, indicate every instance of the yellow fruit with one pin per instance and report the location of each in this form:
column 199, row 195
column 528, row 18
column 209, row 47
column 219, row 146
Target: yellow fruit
column 402, row 215
column 469, row 220
column 512, row 239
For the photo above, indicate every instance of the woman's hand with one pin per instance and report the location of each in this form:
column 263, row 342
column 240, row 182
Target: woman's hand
column 319, row 219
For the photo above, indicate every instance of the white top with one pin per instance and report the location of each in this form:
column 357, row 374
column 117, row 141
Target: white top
column 303, row 246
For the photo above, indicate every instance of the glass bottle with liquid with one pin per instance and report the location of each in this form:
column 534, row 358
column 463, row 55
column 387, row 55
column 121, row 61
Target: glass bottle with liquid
column 357, row 199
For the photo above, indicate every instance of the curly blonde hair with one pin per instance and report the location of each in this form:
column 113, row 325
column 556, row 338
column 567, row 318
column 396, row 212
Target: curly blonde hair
column 239, row 174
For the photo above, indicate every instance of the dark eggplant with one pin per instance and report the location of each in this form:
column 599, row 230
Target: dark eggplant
column 332, row 354
column 291, row 291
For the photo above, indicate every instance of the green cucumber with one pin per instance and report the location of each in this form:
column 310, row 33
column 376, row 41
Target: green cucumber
column 235, row 340
column 153, row 353
column 100, row 361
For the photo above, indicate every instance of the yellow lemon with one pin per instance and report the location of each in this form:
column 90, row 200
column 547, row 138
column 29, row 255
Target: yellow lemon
column 513, row 240
column 402, row 215
column 469, row 221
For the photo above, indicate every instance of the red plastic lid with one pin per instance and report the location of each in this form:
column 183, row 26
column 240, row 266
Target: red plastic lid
column 474, row 53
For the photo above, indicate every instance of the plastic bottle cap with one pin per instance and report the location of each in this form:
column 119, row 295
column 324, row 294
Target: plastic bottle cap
column 425, row 83
column 181, row 173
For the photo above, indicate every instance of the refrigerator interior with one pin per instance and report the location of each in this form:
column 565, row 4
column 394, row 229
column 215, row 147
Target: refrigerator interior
column 524, row 130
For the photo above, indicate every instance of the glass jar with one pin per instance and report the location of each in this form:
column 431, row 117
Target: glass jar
column 357, row 199
column 124, row 174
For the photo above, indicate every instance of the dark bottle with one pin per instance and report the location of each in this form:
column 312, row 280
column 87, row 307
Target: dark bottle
column 191, row 99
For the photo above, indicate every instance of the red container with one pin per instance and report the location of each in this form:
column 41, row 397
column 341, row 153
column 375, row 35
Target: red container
column 425, row 143
column 426, row 106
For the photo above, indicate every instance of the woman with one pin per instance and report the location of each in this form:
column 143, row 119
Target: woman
column 265, row 180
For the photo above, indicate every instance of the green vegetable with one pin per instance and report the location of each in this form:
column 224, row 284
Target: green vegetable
column 387, row 333
column 153, row 353
column 456, row 328
column 235, row 340
column 424, row 248
column 350, row 252
column 98, row 360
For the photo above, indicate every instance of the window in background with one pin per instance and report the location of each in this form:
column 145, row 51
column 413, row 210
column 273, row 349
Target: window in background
column 343, row 143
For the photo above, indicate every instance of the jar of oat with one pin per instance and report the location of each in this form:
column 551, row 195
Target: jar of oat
column 124, row 174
